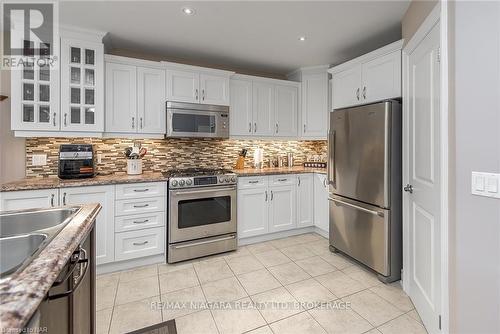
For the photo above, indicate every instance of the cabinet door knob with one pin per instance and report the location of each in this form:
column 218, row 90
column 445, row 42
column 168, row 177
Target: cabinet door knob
column 54, row 119
column 203, row 94
column 364, row 92
column 266, row 196
column 357, row 94
column 272, row 195
column 408, row 188
column 140, row 122
column 305, row 126
column 133, row 122
column 250, row 127
column 277, row 127
column 196, row 94
column 64, row 198
column 52, row 200
column 65, row 116
column 254, row 127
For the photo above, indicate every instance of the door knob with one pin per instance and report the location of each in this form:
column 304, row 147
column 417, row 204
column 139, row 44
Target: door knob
column 408, row 188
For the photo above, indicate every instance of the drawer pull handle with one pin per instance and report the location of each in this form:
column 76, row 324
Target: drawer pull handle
column 140, row 243
column 141, row 206
column 253, row 182
column 141, row 190
column 281, row 180
column 141, row 222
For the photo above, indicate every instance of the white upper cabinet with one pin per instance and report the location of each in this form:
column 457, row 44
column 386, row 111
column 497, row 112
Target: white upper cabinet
column 346, row 87
column 287, row 99
column 382, row 78
column 214, row 89
column 263, row 109
column 183, row 86
column 82, row 90
column 197, row 85
column 135, row 96
column 121, row 98
column 313, row 115
column 35, row 92
column 62, row 100
column 151, row 100
column 241, row 120
column 372, row 77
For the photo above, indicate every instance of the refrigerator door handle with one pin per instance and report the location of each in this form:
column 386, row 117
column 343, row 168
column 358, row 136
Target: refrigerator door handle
column 377, row 213
column 331, row 158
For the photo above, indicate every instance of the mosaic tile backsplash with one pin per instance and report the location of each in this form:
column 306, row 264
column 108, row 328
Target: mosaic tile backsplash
column 164, row 154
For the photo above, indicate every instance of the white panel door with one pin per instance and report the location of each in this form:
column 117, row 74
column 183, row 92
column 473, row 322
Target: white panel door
column 104, row 225
column 121, row 98
column 314, row 106
column 29, row 199
column 183, row 86
column 240, row 116
column 423, row 209
column 282, row 212
column 382, row 78
column 214, row 89
column 346, row 88
column 321, row 219
column 151, row 100
column 253, row 210
column 305, row 200
column 286, row 101
column 263, row 109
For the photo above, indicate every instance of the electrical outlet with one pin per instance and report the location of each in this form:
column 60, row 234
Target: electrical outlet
column 99, row 158
column 39, row 159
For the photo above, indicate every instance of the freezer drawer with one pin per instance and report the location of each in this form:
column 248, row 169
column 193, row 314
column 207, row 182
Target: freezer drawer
column 361, row 231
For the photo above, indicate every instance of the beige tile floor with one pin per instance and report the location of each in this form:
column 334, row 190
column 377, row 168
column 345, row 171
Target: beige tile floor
column 298, row 272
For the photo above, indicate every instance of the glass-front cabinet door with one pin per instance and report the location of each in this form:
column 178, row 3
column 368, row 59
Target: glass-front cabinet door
column 82, row 94
column 35, row 86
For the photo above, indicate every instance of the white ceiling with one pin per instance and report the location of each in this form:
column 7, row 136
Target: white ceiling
column 252, row 35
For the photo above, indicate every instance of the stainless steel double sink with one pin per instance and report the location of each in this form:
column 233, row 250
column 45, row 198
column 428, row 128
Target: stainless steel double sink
column 24, row 234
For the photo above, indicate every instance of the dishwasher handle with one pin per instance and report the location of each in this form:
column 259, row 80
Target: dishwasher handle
column 77, row 281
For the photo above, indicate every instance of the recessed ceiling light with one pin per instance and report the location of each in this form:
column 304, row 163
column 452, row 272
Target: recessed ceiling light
column 188, row 11
column 302, row 38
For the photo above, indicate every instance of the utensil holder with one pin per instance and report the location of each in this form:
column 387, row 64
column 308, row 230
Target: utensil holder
column 134, row 166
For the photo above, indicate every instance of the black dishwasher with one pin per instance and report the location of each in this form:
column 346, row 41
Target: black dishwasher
column 69, row 307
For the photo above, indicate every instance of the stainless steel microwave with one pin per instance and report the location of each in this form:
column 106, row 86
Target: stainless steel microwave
column 197, row 120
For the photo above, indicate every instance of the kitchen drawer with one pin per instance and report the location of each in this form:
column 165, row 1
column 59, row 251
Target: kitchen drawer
column 252, row 182
column 140, row 221
column 140, row 190
column 141, row 243
column 286, row 179
column 139, row 205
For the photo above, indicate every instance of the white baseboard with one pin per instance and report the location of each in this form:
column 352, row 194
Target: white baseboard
column 276, row 235
column 321, row 232
column 130, row 264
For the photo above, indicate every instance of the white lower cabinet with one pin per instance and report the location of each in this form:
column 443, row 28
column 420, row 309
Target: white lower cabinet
column 321, row 213
column 141, row 243
column 276, row 203
column 104, row 225
column 252, row 212
column 29, row 199
column 305, row 200
column 282, row 208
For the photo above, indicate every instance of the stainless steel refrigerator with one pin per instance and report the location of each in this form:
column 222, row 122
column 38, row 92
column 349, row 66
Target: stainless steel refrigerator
column 364, row 175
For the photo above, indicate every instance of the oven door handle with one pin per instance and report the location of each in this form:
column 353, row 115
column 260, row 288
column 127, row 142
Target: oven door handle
column 201, row 191
column 191, row 244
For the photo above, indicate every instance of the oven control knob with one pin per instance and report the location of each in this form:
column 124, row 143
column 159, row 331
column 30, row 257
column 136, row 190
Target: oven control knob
column 174, row 183
column 189, row 182
column 181, row 183
column 222, row 180
column 233, row 178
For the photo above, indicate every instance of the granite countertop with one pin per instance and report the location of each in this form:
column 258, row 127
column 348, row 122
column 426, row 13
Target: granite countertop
column 52, row 183
column 278, row 170
column 22, row 292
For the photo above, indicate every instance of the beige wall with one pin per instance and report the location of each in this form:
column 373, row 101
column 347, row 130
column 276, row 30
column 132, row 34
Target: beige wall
column 12, row 150
column 414, row 16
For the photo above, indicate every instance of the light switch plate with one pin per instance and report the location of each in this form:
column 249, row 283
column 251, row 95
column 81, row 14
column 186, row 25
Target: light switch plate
column 485, row 184
column 39, row 159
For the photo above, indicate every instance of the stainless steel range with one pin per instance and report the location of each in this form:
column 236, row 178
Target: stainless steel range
column 201, row 213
